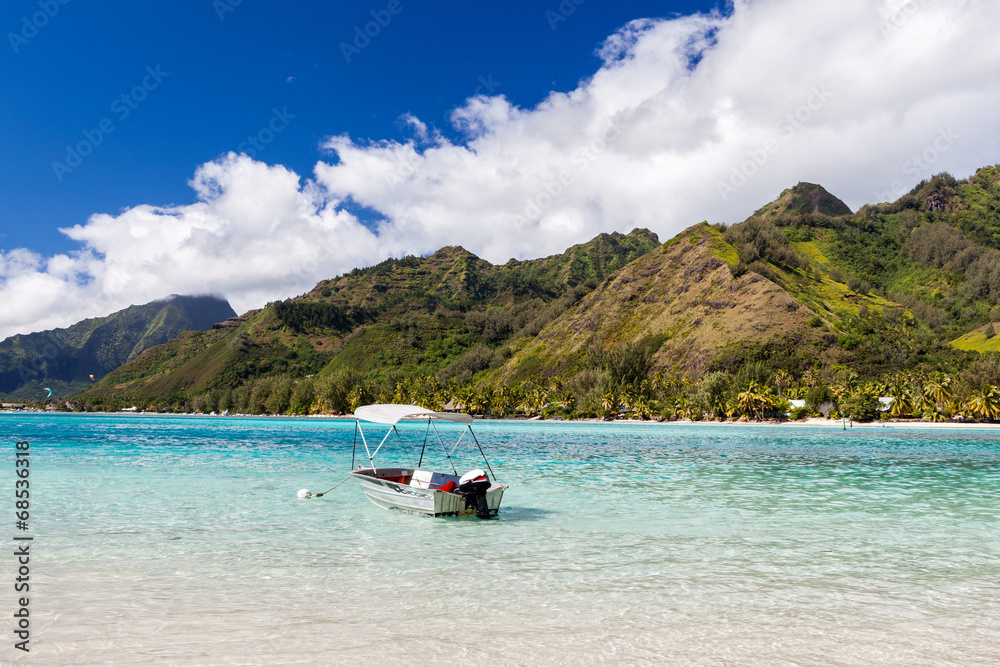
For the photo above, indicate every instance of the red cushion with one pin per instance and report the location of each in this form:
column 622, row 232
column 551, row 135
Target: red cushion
column 449, row 487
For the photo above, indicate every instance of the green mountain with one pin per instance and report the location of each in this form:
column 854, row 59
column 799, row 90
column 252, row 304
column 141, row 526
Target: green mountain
column 804, row 295
column 451, row 315
column 688, row 299
column 64, row 359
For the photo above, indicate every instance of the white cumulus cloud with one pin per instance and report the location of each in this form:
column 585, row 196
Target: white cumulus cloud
column 699, row 117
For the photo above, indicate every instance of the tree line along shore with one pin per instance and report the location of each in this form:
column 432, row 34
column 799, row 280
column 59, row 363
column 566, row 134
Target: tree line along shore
column 625, row 391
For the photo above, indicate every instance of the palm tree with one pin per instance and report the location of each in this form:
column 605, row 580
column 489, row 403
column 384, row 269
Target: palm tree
column 435, row 399
column 502, row 400
column 985, row 403
column 781, row 379
column 923, row 397
column 359, row 395
column 765, row 396
column 628, row 399
column 657, row 383
column 465, row 397
column 539, row 397
column 678, row 405
column 568, row 401
column 476, row 402
column 898, row 389
column 939, row 387
column 487, row 400
column 877, row 388
column 745, row 402
column 847, row 385
column 610, row 403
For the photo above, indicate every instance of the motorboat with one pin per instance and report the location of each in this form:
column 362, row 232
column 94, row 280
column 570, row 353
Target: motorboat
column 417, row 490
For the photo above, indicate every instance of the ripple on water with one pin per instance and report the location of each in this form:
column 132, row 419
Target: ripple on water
column 180, row 541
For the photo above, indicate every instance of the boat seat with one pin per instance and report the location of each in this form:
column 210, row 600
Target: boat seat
column 421, row 479
column 424, row 479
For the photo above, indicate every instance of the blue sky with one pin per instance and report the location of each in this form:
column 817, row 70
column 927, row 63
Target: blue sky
column 231, row 147
column 230, row 63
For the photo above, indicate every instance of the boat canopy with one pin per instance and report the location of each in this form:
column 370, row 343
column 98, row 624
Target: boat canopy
column 386, row 413
column 391, row 414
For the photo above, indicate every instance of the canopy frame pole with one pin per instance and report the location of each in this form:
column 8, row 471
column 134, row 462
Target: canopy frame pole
column 354, row 447
column 472, row 433
column 424, row 446
column 446, row 454
column 387, row 434
column 458, row 442
column 367, row 451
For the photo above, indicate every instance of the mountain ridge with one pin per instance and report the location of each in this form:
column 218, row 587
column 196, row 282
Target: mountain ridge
column 799, row 294
column 64, row 358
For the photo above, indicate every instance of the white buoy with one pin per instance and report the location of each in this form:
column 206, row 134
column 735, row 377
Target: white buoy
column 304, row 493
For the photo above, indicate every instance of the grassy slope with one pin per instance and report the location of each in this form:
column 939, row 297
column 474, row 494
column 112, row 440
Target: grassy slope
column 976, row 341
column 685, row 294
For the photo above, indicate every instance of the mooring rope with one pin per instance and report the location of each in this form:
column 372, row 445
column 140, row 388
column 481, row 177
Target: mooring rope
column 317, row 495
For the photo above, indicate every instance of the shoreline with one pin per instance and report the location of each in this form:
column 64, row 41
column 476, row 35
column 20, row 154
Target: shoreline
column 810, row 422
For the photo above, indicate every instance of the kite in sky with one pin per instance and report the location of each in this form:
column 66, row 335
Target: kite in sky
column 50, row 392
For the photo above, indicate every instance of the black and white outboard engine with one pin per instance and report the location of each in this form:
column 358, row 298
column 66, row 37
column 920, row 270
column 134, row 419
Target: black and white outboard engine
column 473, row 486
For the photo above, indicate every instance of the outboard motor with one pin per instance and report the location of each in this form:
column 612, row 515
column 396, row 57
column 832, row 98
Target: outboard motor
column 473, row 486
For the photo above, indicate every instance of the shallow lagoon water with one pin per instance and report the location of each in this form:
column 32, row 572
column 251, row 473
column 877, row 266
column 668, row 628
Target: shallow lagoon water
column 169, row 540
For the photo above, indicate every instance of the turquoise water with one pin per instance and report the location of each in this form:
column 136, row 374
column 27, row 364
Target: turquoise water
column 167, row 540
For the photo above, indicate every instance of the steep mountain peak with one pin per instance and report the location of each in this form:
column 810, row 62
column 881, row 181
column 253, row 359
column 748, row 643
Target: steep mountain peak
column 637, row 233
column 804, row 199
column 452, row 252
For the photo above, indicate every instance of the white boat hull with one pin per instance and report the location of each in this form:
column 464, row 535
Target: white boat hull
column 400, row 489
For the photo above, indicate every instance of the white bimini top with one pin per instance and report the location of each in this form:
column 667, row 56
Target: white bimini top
column 390, row 413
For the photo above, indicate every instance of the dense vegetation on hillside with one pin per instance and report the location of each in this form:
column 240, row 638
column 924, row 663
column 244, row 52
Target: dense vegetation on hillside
column 450, row 316
column 804, row 300
column 64, row 359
